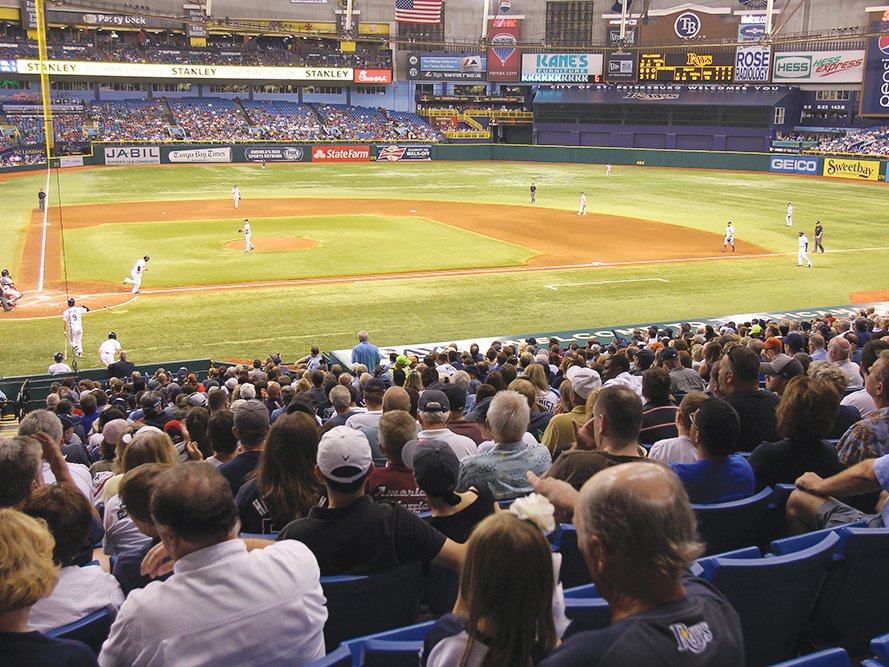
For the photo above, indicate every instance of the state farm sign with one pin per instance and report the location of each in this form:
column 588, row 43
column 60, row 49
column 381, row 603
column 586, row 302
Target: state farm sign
column 340, row 153
column 373, row 76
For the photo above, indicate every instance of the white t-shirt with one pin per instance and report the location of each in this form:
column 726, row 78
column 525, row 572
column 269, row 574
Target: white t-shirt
column 673, row 450
column 80, row 591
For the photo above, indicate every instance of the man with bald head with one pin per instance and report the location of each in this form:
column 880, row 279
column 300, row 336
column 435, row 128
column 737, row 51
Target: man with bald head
column 638, row 536
column 838, row 352
column 223, row 605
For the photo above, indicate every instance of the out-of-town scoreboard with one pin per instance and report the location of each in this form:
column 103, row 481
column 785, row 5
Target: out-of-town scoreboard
column 686, row 65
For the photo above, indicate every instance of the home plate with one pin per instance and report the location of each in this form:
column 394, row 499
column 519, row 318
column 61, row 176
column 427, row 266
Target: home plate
column 595, row 263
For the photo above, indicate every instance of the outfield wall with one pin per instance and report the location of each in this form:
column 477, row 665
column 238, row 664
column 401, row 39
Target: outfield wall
column 868, row 169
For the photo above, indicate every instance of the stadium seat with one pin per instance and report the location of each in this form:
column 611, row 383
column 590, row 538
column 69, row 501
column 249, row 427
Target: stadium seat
column 92, row 629
column 847, row 612
column 832, row 657
column 338, row 658
column 789, row 545
column 754, row 585
column 392, row 648
column 880, row 647
column 439, row 589
column 731, row 525
column 574, row 570
column 361, row 605
column 591, row 613
column 258, row 536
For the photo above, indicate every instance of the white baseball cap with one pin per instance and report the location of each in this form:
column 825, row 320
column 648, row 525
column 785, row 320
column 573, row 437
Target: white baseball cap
column 583, row 380
column 344, row 454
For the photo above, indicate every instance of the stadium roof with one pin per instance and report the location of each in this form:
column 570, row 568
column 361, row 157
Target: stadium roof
column 674, row 95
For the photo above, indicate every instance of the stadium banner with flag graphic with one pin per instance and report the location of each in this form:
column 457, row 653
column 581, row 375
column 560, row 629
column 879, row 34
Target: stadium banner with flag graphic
column 418, row 11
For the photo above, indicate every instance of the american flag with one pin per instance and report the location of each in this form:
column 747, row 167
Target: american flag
column 418, row 11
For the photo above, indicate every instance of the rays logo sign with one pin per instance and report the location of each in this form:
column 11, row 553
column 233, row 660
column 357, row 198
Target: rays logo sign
column 687, row 25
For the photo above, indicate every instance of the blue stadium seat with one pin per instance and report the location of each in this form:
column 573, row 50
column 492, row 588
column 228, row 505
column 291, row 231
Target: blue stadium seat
column 731, row 525
column 258, row 536
column 832, row 657
column 92, row 630
column 587, row 614
column 754, row 586
column 338, row 658
column 439, row 588
column 880, row 647
column 392, row 648
column 361, row 605
column 574, row 570
column 789, row 545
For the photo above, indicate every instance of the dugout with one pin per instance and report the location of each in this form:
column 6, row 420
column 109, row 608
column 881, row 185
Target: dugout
column 685, row 117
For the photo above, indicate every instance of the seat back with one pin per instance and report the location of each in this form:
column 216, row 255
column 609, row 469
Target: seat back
column 392, row 648
column 880, row 647
column 361, row 605
column 340, row 657
column 731, row 525
column 832, row 657
column 849, row 610
column 92, row 629
column 772, row 629
column 587, row 614
column 574, row 571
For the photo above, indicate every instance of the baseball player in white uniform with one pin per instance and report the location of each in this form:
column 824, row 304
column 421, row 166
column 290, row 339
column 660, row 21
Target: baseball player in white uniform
column 729, row 237
column 801, row 254
column 109, row 350
column 789, row 215
column 73, row 318
column 608, row 170
column 248, row 234
column 582, row 209
column 135, row 278
column 236, row 196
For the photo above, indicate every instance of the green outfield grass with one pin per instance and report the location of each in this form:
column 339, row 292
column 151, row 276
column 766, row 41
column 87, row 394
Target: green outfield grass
column 244, row 323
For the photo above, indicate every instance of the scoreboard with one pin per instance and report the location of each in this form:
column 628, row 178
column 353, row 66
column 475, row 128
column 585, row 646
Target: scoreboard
column 686, row 66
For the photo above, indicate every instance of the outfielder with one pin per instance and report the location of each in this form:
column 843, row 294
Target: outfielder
column 819, row 237
column 73, row 318
column 236, row 196
column 729, row 237
column 608, row 170
column 135, row 278
column 789, row 215
column 533, row 193
column 248, row 234
column 109, row 350
column 801, row 254
column 582, row 209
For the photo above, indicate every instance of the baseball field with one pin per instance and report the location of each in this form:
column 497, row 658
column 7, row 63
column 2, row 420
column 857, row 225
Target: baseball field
column 414, row 252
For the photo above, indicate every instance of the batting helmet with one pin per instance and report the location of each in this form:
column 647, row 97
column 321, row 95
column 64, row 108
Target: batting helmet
column 70, row 302
column 112, row 335
column 58, row 357
column 5, row 272
column 146, row 258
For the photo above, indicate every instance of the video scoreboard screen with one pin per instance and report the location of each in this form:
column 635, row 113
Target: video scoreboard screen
column 686, row 66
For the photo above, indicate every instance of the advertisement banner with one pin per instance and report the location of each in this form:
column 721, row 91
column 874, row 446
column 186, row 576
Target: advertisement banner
column 184, row 72
column 98, row 19
column 446, row 66
column 197, row 23
column 28, row 14
column 340, row 153
column 562, row 67
column 397, row 153
column 620, row 66
column 795, row 165
column 752, row 63
column 277, row 154
column 71, row 161
column 504, row 35
column 819, row 67
column 875, row 91
column 378, row 77
column 862, row 170
column 751, row 32
column 133, row 155
column 223, row 154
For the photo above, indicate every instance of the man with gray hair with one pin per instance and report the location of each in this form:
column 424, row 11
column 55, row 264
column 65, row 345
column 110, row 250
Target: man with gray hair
column 224, row 605
column 44, row 421
column 838, row 352
column 365, row 353
column 21, row 462
column 433, row 413
column 504, row 468
column 341, row 399
column 638, row 536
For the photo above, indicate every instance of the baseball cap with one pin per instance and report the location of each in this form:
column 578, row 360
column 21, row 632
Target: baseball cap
column 375, row 384
column 344, row 454
column 456, row 396
column 783, row 365
column 251, row 416
column 231, row 383
column 58, row 357
column 437, row 469
column 197, row 398
column 669, row 353
column 67, row 421
column 433, row 400
column 755, row 329
column 482, row 407
column 402, row 360
column 112, row 431
column 773, row 343
column 795, row 341
column 583, row 380
column 173, row 428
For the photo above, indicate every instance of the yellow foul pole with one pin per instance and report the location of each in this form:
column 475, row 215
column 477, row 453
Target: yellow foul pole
column 44, row 78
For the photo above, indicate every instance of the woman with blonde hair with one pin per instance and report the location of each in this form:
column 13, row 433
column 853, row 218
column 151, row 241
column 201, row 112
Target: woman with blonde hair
column 504, row 612
column 29, row 574
column 546, row 395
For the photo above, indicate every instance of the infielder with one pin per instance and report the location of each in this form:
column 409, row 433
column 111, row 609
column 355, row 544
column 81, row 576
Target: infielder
column 819, row 237
column 248, row 234
column 582, row 209
column 608, row 170
column 73, row 318
column 135, row 278
column 789, row 215
column 109, row 350
column 729, row 237
column 801, row 254
column 236, row 196
column 533, row 193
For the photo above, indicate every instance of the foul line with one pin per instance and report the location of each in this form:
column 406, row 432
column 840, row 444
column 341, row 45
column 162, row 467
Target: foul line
column 555, row 287
column 43, row 235
column 53, row 317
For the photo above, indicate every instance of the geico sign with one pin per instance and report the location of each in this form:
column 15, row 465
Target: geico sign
column 794, row 165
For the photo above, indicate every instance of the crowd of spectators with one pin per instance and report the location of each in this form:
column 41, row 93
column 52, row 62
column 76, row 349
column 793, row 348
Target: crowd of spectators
column 127, row 120
column 363, row 123
column 872, row 141
column 217, row 119
column 291, row 451
column 66, row 127
column 282, row 121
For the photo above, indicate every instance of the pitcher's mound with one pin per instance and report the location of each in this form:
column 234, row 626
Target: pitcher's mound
column 269, row 243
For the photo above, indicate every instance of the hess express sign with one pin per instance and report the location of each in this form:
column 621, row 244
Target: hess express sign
column 819, row 67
